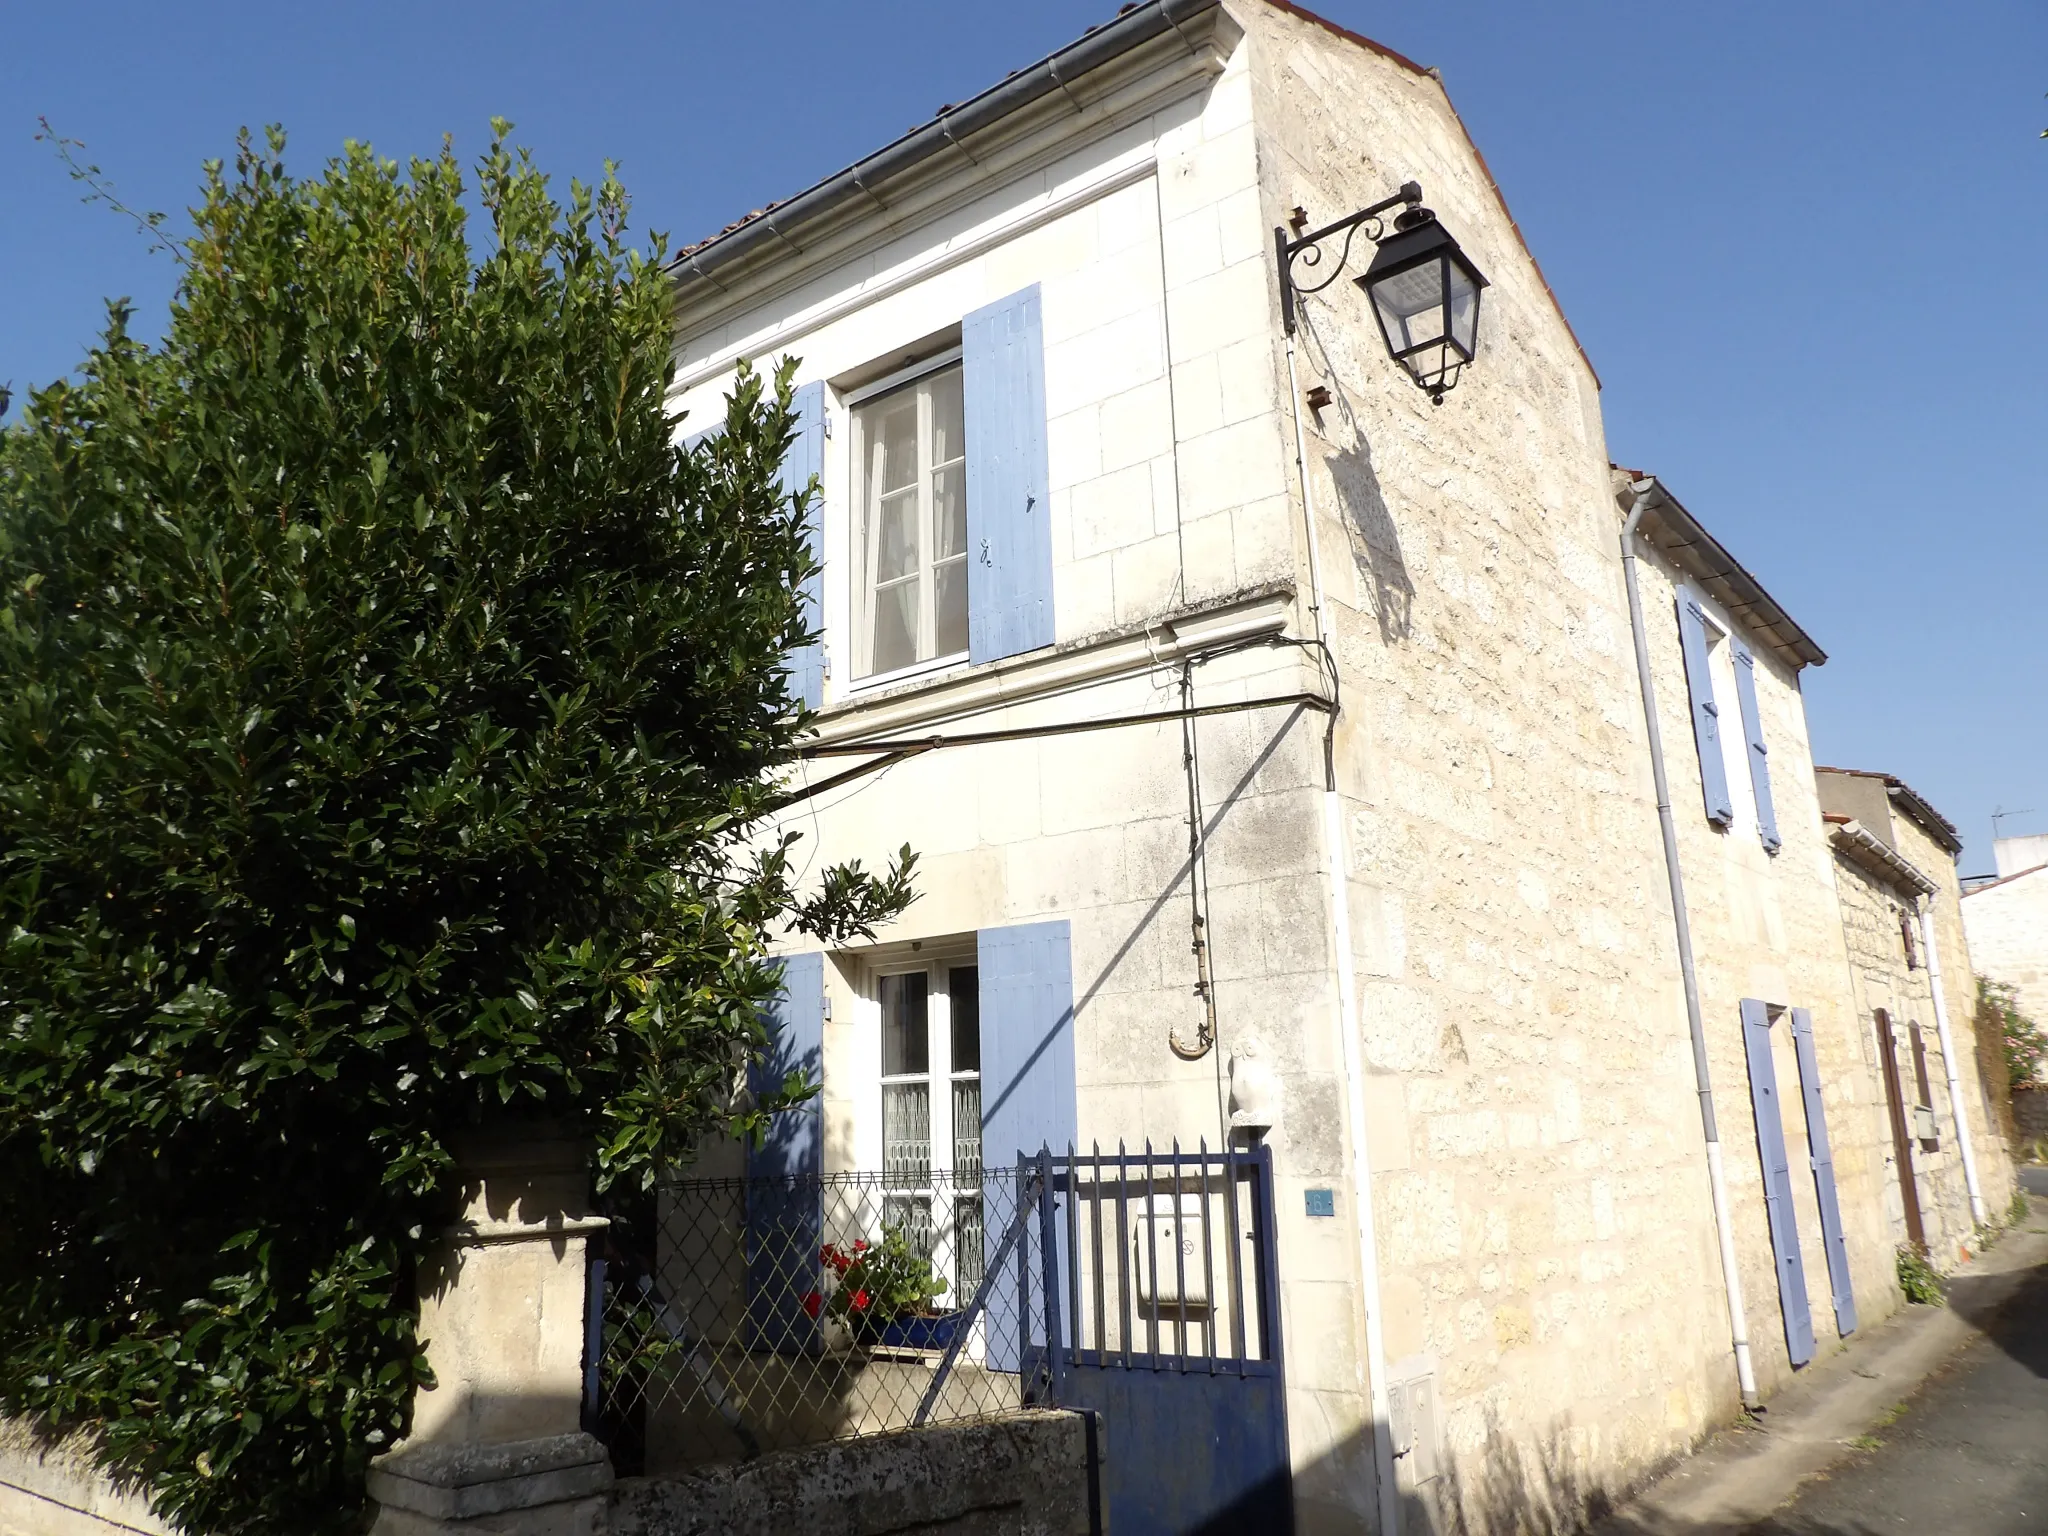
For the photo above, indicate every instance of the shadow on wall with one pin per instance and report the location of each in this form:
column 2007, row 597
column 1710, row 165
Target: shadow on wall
column 1368, row 525
column 1513, row 1485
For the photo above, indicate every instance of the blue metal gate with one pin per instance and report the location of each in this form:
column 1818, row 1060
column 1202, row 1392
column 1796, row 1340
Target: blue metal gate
column 1162, row 1294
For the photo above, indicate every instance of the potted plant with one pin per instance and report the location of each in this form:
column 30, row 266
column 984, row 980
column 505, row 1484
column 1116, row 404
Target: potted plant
column 883, row 1293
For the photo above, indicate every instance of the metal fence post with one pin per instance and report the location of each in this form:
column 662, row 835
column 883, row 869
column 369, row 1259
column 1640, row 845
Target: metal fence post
column 1049, row 1257
column 593, row 1341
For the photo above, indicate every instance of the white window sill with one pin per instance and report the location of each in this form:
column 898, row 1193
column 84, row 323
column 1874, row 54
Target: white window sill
column 877, row 682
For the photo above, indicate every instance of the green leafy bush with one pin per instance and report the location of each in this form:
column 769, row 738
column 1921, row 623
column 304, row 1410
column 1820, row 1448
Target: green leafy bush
column 1918, row 1278
column 388, row 715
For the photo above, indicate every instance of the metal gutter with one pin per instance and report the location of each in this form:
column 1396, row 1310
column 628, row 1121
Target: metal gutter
column 1858, row 842
column 779, row 221
column 1685, row 541
column 1958, row 1110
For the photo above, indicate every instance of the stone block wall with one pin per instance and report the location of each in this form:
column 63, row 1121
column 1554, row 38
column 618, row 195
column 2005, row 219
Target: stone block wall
column 54, row 1489
column 1025, row 1475
column 1543, row 1218
column 1959, row 991
column 1870, row 921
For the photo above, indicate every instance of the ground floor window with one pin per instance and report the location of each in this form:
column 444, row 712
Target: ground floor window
column 931, row 1115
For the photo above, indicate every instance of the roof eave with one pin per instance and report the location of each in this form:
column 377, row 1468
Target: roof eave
column 941, row 134
column 1702, row 556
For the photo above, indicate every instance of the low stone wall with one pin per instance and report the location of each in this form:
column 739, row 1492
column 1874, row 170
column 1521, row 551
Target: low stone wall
column 1027, row 1474
column 2030, row 1114
column 55, row 1490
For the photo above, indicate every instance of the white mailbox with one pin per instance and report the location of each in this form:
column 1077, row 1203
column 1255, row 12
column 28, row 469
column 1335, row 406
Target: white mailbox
column 1166, row 1252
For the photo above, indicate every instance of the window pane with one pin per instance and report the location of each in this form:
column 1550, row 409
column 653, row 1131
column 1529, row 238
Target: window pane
column 949, row 434
column 906, row 1135
column 967, row 1129
column 914, row 1217
column 892, row 428
column 967, row 1244
column 895, row 536
column 895, row 638
column 963, row 991
column 949, row 511
column 906, row 1031
column 949, row 602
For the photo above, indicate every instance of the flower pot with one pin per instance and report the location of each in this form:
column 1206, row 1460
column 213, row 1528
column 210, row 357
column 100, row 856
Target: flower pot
column 913, row 1332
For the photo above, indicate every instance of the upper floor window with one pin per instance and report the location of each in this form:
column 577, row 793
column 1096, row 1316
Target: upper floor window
column 910, row 453
column 1720, row 674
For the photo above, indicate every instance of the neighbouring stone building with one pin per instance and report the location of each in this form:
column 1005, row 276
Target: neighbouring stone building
column 1895, row 869
column 2007, row 923
column 1761, row 902
column 1270, row 732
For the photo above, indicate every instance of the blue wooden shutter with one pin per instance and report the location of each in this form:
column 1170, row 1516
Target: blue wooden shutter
column 1770, row 1146
column 1009, row 514
column 1027, row 1041
column 1706, row 717
column 1759, row 754
column 785, row 1212
column 1823, row 1159
column 805, row 458
column 1027, row 1104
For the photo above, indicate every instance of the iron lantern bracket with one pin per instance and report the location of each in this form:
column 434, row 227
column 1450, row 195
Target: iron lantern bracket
column 1307, row 248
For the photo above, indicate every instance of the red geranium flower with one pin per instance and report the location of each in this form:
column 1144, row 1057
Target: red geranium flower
column 812, row 1302
column 860, row 1245
column 860, row 1301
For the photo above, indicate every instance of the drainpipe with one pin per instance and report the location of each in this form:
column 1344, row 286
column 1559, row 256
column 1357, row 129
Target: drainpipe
column 1350, row 1040
column 1948, row 1062
column 1717, row 1178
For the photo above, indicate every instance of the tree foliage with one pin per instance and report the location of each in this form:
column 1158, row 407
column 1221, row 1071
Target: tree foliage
column 389, row 710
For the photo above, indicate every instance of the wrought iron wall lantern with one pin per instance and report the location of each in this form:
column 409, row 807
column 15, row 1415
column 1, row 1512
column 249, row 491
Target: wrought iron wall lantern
column 1424, row 290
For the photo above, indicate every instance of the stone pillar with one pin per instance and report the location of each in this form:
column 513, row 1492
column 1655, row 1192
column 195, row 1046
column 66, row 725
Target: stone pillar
column 497, row 1444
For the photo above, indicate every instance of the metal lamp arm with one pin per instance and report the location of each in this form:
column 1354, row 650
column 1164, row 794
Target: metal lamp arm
column 1308, row 247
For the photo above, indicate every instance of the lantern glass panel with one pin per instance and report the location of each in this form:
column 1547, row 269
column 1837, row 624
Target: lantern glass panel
column 1411, row 305
column 1464, row 310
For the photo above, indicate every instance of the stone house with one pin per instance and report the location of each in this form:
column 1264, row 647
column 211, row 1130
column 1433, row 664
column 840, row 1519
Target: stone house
column 1902, row 918
column 2006, row 919
column 1813, row 1255
column 1271, row 734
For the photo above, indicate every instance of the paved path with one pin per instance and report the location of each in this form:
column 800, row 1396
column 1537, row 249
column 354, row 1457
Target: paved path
column 1968, row 1456
column 1934, row 1422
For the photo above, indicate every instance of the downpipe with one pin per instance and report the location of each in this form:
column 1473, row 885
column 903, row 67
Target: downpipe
column 1948, row 1062
column 1349, row 1039
column 1717, row 1178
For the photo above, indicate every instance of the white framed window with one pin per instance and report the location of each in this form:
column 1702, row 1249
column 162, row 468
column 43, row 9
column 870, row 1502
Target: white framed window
column 910, row 524
column 930, row 1111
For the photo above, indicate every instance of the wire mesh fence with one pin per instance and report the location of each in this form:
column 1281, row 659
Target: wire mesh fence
column 751, row 1314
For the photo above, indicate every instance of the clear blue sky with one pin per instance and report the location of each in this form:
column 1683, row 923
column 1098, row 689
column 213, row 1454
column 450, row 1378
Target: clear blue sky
column 1803, row 244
